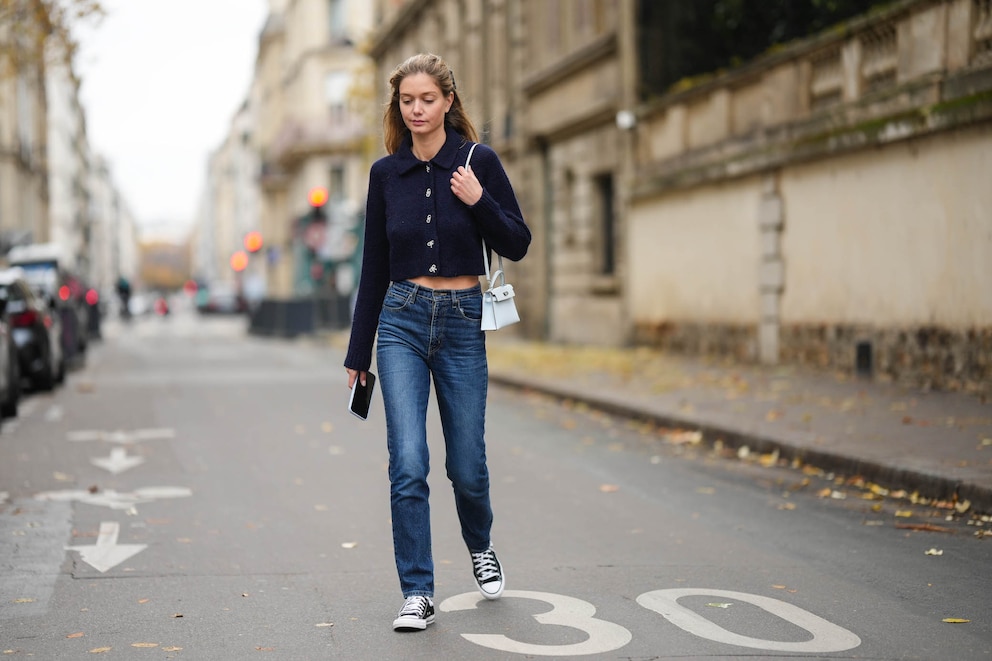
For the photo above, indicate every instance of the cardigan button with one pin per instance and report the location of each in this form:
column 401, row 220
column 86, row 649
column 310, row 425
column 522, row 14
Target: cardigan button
column 428, row 192
column 428, row 218
column 433, row 268
column 430, row 244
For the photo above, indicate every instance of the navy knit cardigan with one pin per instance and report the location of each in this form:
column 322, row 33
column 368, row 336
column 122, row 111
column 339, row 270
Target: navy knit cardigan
column 415, row 226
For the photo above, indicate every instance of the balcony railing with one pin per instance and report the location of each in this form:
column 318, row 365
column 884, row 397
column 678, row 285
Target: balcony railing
column 301, row 138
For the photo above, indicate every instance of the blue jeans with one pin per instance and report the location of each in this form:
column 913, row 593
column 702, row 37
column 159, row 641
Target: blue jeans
column 426, row 333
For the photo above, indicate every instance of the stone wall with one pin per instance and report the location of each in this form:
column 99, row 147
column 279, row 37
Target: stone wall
column 826, row 202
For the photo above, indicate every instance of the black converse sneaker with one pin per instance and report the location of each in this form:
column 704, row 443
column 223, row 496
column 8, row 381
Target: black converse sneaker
column 416, row 614
column 488, row 573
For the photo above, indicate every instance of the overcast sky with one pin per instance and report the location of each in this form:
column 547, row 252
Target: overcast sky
column 161, row 80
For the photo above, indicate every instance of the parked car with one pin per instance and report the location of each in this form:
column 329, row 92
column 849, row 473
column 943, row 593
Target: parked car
column 45, row 267
column 37, row 331
column 10, row 373
column 220, row 299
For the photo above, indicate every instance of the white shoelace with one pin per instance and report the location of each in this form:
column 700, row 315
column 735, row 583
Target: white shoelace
column 416, row 606
column 485, row 565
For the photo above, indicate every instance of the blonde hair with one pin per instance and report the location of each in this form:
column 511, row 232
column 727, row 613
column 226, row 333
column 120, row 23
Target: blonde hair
column 394, row 129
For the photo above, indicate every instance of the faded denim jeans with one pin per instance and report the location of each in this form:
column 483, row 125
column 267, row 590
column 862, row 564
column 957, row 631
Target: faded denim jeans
column 426, row 333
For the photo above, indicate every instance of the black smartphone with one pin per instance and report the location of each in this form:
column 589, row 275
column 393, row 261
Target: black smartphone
column 361, row 396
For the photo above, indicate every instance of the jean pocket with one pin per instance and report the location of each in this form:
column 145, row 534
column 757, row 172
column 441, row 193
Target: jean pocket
column 471, row 308
column 396, row 299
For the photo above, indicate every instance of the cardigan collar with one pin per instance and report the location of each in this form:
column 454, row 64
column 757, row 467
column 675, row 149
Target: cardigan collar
column 445, row 158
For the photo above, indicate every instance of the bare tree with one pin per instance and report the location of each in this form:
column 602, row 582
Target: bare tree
column 29, row 27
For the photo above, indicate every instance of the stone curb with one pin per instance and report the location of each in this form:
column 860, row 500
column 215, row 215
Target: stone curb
column 930, row 485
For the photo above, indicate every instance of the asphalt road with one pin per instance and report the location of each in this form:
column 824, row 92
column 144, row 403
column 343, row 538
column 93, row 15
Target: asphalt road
column 194, row 493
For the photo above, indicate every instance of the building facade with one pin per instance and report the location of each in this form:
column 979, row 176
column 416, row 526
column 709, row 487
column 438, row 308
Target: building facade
column 53, row 188
column 820, row 203
column 70, row 223
column 114, row 237
column 312, row 131
column 23, row 135
column 229, row 210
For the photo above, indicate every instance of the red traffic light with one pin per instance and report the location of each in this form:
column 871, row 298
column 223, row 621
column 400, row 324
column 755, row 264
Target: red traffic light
column 253, row 241
column 65, row 292
column 92, row 297
column 317, row 196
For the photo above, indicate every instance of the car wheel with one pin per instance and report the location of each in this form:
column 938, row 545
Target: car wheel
column 46, row 379
column 8, row 408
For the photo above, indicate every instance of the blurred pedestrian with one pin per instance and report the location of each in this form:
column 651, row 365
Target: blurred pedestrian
column 124, row 293
column 426, row 217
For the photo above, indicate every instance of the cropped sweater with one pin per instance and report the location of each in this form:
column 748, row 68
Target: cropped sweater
column 415, row 226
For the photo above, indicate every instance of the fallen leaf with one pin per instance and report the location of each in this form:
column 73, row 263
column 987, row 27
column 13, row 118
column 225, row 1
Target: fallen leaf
column 327, row 427
column 100, row 650
column 934, row 552
column 143, row 601
column 708, row 491
column 904, row 514
column 955, row 620
column 24, row 600
column 779, row 587
column 149, row 645
column 962, row 506
column 684, row 437
column 172, row 649
column 177, row 615
column 609, row 488
column 717, row 605
column 78, row 634
column 324, row 624
column 878, row 490
column 349, row 545
column 773, row 415
column 787, row 506
column 266, row 649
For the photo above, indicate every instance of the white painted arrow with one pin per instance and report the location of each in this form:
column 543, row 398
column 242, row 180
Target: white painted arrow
column 107, row 553
column 118, row 461
column 121, row 436
column 114, row 499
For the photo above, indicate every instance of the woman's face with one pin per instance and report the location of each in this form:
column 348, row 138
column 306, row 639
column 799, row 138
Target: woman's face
column 422, row 104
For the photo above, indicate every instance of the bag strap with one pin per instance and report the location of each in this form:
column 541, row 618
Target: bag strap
column 485, row 252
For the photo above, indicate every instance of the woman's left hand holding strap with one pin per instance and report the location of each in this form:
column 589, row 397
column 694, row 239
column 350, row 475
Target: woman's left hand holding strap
column 465, row 186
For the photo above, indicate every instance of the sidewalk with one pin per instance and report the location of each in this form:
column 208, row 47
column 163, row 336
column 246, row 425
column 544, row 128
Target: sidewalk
column 936, row 444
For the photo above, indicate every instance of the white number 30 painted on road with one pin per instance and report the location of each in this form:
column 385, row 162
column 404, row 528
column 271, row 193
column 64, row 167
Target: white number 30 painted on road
column 606, row 636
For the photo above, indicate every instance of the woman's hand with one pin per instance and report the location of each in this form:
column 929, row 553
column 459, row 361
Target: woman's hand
column 353, row 375
column 465, row 186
